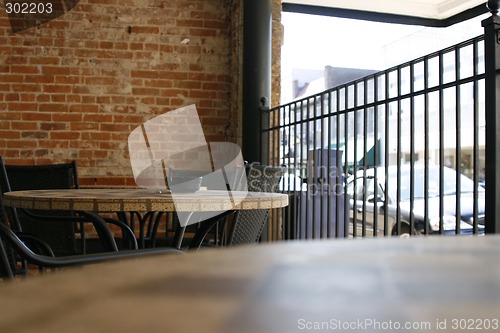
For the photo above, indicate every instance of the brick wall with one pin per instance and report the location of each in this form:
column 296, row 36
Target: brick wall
column 75, row 87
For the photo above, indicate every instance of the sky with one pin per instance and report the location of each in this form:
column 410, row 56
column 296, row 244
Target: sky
column 314, row 41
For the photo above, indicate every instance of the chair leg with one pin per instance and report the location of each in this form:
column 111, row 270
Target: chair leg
column 205, row 227
column 5, row 269
column 102, row 230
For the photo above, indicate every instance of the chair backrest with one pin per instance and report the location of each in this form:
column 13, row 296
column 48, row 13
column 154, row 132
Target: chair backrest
column 249, row 224
column 59, row 235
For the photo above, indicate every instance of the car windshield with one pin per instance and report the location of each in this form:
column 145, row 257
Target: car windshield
column 450, row 187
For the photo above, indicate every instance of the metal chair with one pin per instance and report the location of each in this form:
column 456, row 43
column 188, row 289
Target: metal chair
column 19, row 248
column 245, row 226
column 10, row 263
column 9, row 240
column 59, row 229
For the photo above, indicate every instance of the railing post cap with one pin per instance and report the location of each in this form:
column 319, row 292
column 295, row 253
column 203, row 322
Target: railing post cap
column 493, row 6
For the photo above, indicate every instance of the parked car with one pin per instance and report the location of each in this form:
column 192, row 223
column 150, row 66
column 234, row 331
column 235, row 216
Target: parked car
column 368, row 203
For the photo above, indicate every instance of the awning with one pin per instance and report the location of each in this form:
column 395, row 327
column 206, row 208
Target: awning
column 421, row 12
column 356, row 152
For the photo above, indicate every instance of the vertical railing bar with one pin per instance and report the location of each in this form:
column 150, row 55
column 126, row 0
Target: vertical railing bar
column 339, row 177
column 375, row 162
column 297, row 153
column 308, row 207
column 287, row 129
column 475, row 210
column 276, row 132
column 398, row 154
column 355, row 162
column 441, row 143
column 275, row 152
column 283, row 135
column 386, row 153
column 328, row 180
column 347, row 213
column 297, row 112
column 324, row 205
column 412, row 148
column 286, row 162
column 276, row 162
column 271, row 161
column 426, row 146
column 365, row 154
column 355, row 181
column 458, row 142
column 297, row 199
column 294, row 227
column 320, row 203
column 312, row 204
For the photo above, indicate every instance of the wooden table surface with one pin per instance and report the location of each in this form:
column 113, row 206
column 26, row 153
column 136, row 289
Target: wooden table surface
column 367, row 285
column 113, row 200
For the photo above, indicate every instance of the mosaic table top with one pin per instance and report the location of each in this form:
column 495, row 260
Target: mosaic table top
column 112, row 200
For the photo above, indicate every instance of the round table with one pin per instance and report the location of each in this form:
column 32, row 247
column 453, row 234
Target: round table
column 146, row 200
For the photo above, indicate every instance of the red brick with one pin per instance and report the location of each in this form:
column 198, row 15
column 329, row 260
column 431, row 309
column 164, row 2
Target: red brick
column 67, row 79
column 53, row 126
column 145, row 91
column 22, row 106
column 38, row 79
column 23, row 69
column 58, row 98
column 84, row 108
column 203, row 32
column 24, row 125
column 145, row 30
column 98, row 118
column 65, row 135
column 99, row 81
column 37, row 116
column 12, row 97
column 28, row 97
column 34, row 134
column 44, row 60
column 136, row 46
column 51, row 107
column 57, row 89
column 67, row 117
column 189, row 23
column 56, row 70
column 147, row 74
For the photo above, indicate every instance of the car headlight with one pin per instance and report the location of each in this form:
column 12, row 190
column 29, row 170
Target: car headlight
column 449, row 223
column 480, row 220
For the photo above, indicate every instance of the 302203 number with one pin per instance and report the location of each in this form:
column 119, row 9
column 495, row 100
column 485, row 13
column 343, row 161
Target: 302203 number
column 475, row 324
column 28, row 8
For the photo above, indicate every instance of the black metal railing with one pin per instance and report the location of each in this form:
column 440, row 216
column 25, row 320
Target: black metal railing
column 394, row 153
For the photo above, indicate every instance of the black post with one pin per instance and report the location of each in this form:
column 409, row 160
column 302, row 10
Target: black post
column 492, row 83
column 257, row 48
